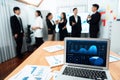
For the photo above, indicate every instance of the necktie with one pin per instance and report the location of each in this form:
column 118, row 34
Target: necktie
column 21, row 26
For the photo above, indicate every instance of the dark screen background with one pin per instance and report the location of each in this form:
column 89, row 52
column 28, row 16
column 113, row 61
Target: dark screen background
column 86, row 52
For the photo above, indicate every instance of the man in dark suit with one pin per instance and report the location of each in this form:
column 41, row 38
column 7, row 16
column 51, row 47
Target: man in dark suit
column 94, row 20
column 75, row 23
column 17, row 30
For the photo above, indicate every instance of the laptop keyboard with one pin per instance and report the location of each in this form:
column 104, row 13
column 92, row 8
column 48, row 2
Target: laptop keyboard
column 85, row 73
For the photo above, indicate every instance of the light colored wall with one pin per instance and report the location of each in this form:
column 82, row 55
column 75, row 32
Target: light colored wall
column 115, row 39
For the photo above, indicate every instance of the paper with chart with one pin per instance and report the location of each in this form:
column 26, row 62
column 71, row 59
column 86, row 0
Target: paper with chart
column 33, row 72
column 54, row 48
column 113, row 58
column 55, row 60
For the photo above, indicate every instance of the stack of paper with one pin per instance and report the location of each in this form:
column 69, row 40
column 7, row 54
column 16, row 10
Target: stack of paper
column 55, row 60
column 113, row 58
column 54, row 48
column 33, row 72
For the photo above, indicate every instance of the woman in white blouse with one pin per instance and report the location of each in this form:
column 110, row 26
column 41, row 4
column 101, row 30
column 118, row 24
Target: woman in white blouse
column 37, row 28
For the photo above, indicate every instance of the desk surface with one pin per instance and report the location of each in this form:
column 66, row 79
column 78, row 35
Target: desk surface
column 38, row 58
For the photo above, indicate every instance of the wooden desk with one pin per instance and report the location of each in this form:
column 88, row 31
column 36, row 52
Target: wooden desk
column 38, row 58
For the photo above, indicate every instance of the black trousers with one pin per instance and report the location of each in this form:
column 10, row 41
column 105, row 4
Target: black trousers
column 76, row 35
column 19, row 43
column 93, row 35
column 38, row 42
column 63, row 34
column 94, row 31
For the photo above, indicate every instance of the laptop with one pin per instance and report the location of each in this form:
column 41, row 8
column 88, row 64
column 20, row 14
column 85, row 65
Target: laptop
column 85, row 59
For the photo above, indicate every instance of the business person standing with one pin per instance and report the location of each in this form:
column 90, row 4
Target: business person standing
column 37, row 28
column 75, row 23
column 94, row 20
column 62, row 26
column 51, row 27
column 17, row 30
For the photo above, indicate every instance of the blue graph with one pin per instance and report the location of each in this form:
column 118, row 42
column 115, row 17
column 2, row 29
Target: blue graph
column 91, row 50
column 96, row 61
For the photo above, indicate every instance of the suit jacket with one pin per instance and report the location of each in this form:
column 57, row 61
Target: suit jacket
column 77, row 27
column 94, row 22
column 16, row 26
column 62, row 25
column 51, row 27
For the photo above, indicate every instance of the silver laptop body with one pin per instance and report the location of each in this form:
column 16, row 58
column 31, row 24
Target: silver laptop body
column 85, row 46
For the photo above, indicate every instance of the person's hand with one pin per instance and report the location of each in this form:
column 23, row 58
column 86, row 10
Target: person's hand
column 89, row 17
column 64, row 28
column 61, row 21
column 57, row 22
column 73, row 23
column 33, row 28
column 16, row 35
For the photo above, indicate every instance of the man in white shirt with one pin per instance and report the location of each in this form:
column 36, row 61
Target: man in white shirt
column 37, row 28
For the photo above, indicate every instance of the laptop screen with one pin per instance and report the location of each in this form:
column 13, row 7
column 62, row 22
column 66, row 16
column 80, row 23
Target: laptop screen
column 86, row 52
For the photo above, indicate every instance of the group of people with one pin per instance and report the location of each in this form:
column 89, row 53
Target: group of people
column 61, row 25
column 74, row 21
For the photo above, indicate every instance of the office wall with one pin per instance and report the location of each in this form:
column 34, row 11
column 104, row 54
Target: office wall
column 115, row 37
column 54, row 4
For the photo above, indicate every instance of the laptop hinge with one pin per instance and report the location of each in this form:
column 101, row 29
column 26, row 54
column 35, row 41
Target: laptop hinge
column 86, row 67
